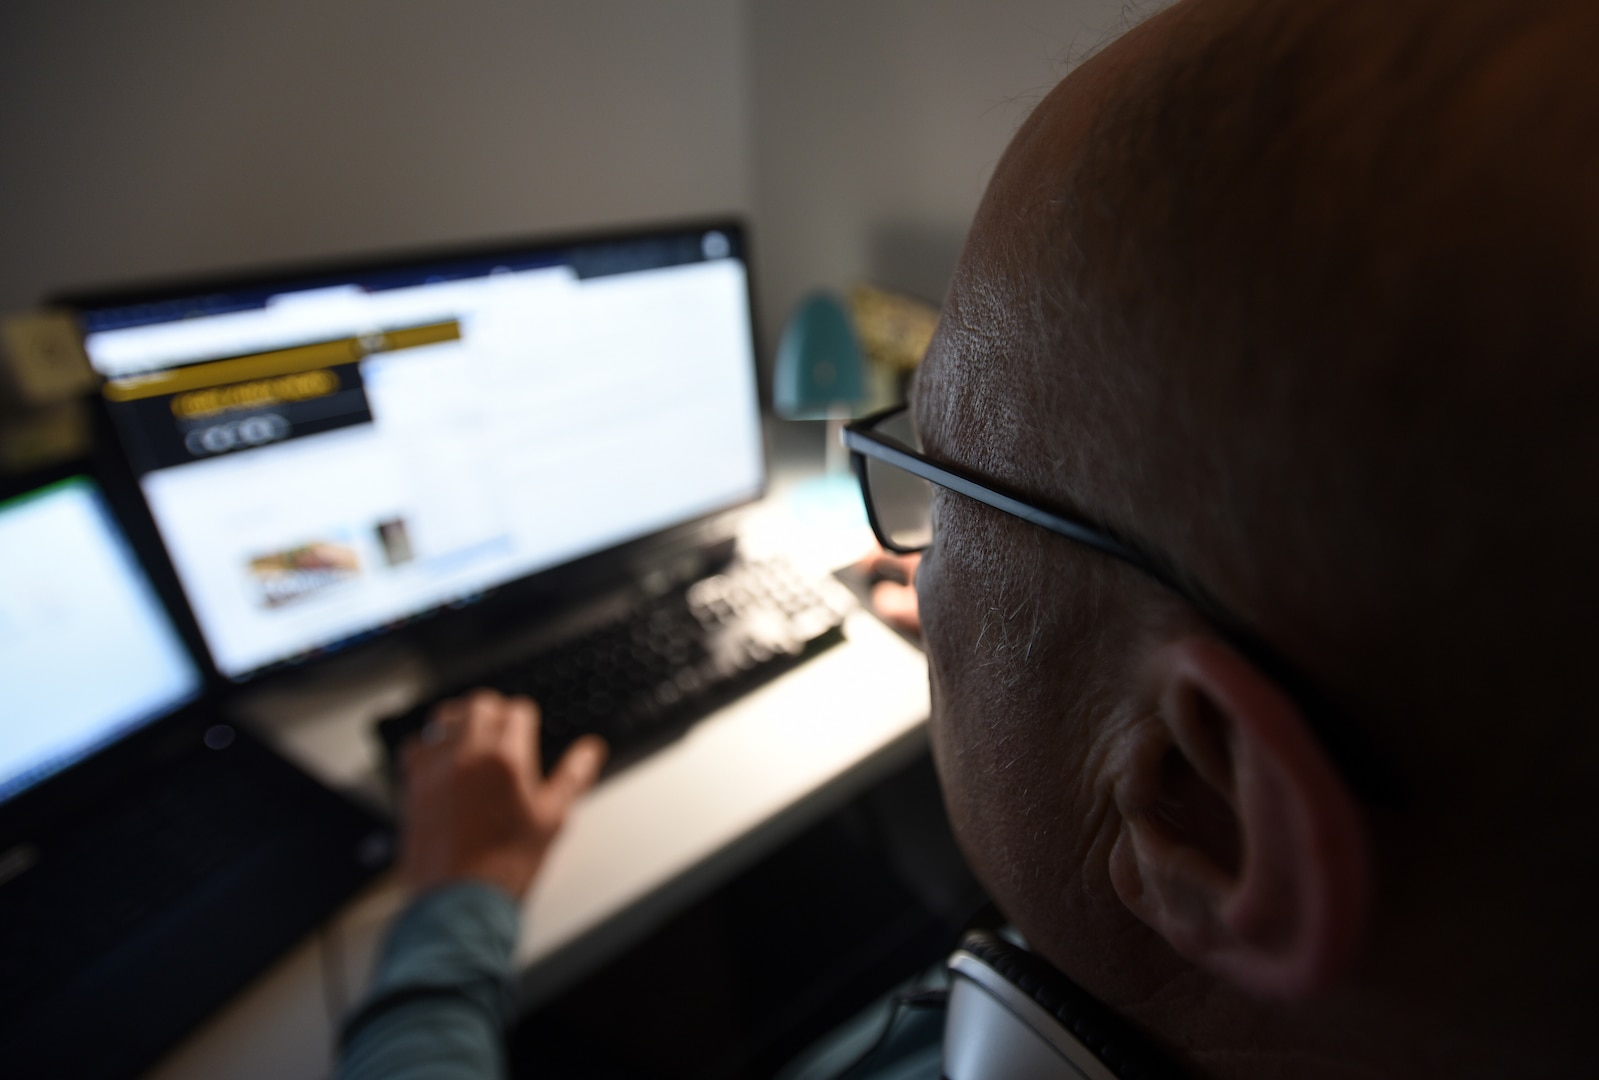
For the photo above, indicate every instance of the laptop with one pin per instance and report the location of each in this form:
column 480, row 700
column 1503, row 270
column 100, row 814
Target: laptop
column 480, row 441
column 153, row 857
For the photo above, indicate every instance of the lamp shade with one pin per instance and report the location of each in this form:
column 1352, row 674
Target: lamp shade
column 819, row 362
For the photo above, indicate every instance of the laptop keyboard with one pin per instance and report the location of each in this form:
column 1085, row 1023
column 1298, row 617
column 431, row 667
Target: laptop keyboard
column 135, row 922
column 94, row 888
column 641, row 680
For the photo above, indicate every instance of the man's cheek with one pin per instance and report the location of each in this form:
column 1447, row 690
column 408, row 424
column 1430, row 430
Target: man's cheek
column 947, row 614
column 940, row 610
column 936, row 639
column 952, row 761
column 940, row 736
column 937, row 630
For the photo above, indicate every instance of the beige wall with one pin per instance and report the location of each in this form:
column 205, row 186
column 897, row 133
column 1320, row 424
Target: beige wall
column 879, row 124
column 173, row 136
column 160, row 136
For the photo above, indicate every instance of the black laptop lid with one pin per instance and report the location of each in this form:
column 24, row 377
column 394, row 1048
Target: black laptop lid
column 88, row 655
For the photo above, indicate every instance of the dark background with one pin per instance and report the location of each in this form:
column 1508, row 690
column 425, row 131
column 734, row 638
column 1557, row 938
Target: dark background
column 177, row 136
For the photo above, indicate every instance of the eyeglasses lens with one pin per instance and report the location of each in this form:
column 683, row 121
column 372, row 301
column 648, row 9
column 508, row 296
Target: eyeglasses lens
column 901, row 501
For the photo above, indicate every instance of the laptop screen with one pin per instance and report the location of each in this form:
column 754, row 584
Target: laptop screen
column 331, row 455
column 87, row 653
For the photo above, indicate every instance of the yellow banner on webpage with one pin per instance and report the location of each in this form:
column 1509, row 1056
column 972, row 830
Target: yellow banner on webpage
column 277, row 362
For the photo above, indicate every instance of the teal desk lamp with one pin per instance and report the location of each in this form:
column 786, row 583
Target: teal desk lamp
column 819, row 372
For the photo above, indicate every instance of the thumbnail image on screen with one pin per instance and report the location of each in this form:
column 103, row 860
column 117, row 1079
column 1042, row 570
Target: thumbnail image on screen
column 330, row 456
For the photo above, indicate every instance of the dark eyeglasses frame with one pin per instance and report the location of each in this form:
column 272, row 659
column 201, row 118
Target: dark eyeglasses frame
column 1368, row 771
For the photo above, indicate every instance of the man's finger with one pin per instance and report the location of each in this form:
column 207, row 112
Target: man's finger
column 519, row 739
column 574, row 774
column 889, row 565
column 897, row 605
column 449, row 715
column 912, row 563
column 485, row 718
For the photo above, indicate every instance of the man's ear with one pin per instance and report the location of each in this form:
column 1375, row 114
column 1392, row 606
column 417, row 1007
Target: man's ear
column 1239, row 842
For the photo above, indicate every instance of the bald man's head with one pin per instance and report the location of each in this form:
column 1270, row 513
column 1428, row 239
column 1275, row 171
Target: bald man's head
column 1310, row 302
column 1305, row 298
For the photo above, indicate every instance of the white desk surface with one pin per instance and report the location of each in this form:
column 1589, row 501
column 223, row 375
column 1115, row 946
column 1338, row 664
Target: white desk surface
column 644, row 844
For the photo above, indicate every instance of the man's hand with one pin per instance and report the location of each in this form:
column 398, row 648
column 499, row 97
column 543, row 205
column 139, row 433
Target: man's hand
column 894, row 594
column 477, row 806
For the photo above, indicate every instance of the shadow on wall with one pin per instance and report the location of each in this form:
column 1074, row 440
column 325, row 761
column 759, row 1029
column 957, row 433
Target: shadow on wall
column 915, row 257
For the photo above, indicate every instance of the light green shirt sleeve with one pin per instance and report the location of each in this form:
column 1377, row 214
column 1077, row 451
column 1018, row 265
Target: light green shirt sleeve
column 443, row 992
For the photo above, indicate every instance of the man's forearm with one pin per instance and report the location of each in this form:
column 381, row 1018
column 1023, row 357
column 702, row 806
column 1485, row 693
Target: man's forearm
column 443, row 992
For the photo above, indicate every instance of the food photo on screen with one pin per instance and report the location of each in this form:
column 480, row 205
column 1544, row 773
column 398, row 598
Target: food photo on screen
column 284, row 577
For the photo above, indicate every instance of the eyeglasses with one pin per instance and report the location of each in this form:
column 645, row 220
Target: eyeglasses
column 897, row 481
